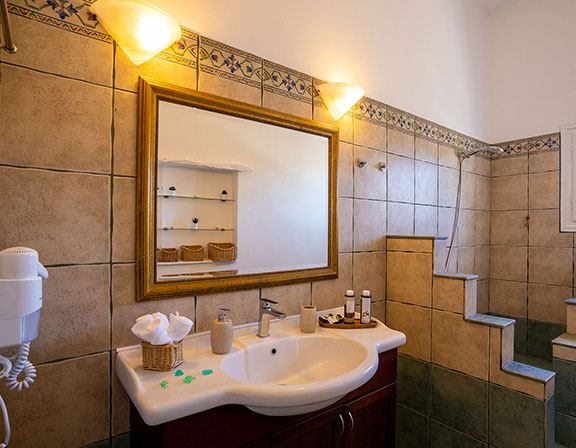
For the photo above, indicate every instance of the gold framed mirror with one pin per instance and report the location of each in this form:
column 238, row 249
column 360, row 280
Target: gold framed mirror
column 230, row 196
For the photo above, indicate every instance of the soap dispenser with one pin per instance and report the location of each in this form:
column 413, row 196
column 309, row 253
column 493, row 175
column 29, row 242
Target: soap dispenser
column 221, row 334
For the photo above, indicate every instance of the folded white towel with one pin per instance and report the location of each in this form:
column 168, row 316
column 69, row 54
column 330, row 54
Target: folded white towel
column 179, row 327
column 156, row 333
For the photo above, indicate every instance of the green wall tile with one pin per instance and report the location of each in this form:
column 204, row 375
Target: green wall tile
column 413, row 385
column 442, row 436
column 411, row 429
column 565, row 430
column 565, row 386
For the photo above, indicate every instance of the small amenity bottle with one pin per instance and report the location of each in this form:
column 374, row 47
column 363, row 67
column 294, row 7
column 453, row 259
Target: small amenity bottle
column 350, row 307
column 221, row 335
column 366, row 307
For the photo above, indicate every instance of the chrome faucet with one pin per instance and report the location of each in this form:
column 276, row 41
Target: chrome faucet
column 265, row 313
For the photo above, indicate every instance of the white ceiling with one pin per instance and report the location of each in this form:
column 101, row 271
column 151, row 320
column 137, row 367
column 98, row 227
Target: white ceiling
column 491, row 6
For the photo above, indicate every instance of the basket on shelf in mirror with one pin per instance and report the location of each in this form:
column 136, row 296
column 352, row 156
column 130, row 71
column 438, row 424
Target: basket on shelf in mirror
column 192, row 252
column 222, row 251
column 166, row 254
column 162, row 358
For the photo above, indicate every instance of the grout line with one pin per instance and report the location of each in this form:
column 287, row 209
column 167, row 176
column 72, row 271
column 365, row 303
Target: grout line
column 60, row 170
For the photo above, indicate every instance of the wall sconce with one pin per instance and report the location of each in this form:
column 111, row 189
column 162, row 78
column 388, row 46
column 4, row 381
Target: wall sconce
column 141, row 29
column 339, row 97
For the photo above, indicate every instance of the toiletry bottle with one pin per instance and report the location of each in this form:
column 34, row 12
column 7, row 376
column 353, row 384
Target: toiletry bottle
column 221, row 336
column 350, row 307
column 366, row 307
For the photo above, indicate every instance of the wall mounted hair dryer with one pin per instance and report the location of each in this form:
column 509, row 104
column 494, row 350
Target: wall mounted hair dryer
column 21, row 278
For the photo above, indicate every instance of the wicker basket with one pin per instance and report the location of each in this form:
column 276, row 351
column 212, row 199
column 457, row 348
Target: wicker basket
column 192, row 253
column 166, row 254
column 161, row 357
column 222, row 251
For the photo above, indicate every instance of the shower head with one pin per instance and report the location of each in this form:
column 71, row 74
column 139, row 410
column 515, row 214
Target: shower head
column 488, row 148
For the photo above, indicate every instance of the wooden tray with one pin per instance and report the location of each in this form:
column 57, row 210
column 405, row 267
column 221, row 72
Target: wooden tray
column 344, row 326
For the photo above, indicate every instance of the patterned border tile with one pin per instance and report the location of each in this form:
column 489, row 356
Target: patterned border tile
column 425, row 129
column 371, row 111
column 230, row 63
column 400, row 120
column 287, row 82
column 447, row 137
column 538, row 144
column 183, row 52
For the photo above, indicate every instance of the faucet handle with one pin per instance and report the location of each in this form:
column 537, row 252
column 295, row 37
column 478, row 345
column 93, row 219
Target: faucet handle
column 268, row 301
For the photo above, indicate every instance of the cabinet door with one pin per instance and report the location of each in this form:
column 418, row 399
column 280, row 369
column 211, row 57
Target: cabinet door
column 370, row 419
column 321, row 431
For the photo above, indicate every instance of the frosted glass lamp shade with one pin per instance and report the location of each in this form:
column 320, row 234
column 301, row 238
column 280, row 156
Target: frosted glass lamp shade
column 141, row 29
column 339, row 97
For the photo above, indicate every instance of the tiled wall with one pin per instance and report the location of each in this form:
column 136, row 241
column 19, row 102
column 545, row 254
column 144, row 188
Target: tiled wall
column 531, row 261
column 67, row 174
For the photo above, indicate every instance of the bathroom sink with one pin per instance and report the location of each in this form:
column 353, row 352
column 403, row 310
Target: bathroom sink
column 288, row 373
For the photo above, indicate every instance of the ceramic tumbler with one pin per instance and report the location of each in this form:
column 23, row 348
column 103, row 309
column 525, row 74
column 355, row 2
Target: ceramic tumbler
column 308, row 319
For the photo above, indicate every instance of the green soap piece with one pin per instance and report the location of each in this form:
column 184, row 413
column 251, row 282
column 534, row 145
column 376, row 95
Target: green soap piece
column 178, row 373
column 207, row 372
column 188, row 379
column 164, row 384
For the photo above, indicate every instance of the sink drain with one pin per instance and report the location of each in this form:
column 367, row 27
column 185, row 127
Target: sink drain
column 273, row 351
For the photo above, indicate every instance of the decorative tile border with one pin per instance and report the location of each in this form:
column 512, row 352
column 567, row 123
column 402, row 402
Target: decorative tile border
column 400, row 120
column 371, row 111
column 230, row 63
column 183, row 52
column 532, row 145
column 287, row 82
column 425, row 129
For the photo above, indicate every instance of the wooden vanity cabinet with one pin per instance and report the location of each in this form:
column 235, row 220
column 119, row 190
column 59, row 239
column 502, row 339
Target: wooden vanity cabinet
column 363, row 418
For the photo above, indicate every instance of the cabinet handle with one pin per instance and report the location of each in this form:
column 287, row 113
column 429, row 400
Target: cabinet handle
column 342, row 423
column 351, row 421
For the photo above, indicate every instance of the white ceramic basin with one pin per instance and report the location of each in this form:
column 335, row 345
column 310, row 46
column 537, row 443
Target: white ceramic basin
column 288, row 373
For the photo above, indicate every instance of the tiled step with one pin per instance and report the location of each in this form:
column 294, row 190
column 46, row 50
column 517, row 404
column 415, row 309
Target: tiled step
column 571, row 316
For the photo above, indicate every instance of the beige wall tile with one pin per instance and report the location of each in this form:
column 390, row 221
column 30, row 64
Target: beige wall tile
column 43, row 111
column 468, row 190
column 369, row 181
column 328, row 294
column 483, row 166
column 425, row 220
column 400, row 218
column 482, row 261
column 400, row 178
column 345, row 169
column 409, row 278
column 370, row 273
column 509, row 228
column 124, row 222
column 270, row 100
column 509, row 298
column 243, row 306
column 158, row 69
column 410, row 244
column 75, row 318
column 506, row 166
column 546, row 303
column 345, row 224
column 447, row 156
column 449, row 294
column 426, row 150
column 508, row 263
column 483, row 187
column 69, row 54
column 125, row 133
column 483, row 297
column 466, row 228
column 41, row 207
column 551, row 266
column 400, row 143
column 120, row 403
column 460, row 345
column 510, row 193
column 379, row 311
column 447, row 186
column 345, row 123
column 125, row 309
column 544, row 191
column 544, row 229
column 482, row 229
column 67, row 406
column 369, row 134
column 290, row 298
column 369, row 225
column 567, row 353
column 445, row 222
column 426, row 183
column 415, row 322
column 466, row 256
column 545, row 161
column 571, row 319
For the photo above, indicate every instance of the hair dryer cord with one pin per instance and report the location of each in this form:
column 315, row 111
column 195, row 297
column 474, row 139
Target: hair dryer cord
column 20, row 364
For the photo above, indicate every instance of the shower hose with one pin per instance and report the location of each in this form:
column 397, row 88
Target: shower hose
column 11, row 368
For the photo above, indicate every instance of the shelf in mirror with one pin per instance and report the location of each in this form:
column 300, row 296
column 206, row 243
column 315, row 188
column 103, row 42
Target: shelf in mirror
column 197, row 230
column 201, row 198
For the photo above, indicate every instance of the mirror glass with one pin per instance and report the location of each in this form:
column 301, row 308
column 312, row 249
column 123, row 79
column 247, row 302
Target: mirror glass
column 237, row 196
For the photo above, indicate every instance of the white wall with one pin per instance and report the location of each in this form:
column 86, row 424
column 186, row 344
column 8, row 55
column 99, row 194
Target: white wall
column 427, row 57
column 533, row 68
